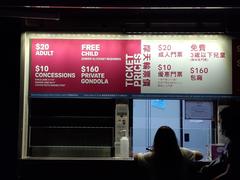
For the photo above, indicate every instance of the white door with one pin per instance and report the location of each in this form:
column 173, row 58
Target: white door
column 197, row 126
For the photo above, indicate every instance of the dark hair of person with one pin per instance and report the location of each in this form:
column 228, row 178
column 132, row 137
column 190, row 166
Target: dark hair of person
column 165, row 145
column 230, row 117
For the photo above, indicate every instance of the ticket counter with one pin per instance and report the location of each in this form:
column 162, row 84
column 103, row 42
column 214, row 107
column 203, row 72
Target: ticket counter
column 84, row 93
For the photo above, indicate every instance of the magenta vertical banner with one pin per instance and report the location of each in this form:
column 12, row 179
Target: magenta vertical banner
column 236, row 66
column 85, row 66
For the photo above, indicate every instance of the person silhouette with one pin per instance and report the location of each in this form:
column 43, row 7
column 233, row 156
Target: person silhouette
column 226, row 165
column 166, row 160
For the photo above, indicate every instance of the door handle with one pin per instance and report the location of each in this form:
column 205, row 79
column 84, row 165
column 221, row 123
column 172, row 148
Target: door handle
column 186, row 137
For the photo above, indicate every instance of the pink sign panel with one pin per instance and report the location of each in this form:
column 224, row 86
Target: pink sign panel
column 85, row 66
column 125, row 65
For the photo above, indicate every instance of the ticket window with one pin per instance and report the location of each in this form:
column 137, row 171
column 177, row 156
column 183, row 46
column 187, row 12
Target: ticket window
column 148, row 116
column 192, row 132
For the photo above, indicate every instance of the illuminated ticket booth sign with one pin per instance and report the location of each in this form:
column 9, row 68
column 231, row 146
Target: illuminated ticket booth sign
column 80, row 66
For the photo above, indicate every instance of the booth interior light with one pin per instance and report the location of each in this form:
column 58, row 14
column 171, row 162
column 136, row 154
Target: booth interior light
column 173, row 33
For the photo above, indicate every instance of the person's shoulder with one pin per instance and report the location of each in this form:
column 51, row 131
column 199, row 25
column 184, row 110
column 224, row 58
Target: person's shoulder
column 144, row 159
column 191, row 154
column 143, row 156
column 187, row 153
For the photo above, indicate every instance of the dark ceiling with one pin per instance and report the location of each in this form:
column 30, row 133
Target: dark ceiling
column 124, row 16
column 110, row 3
